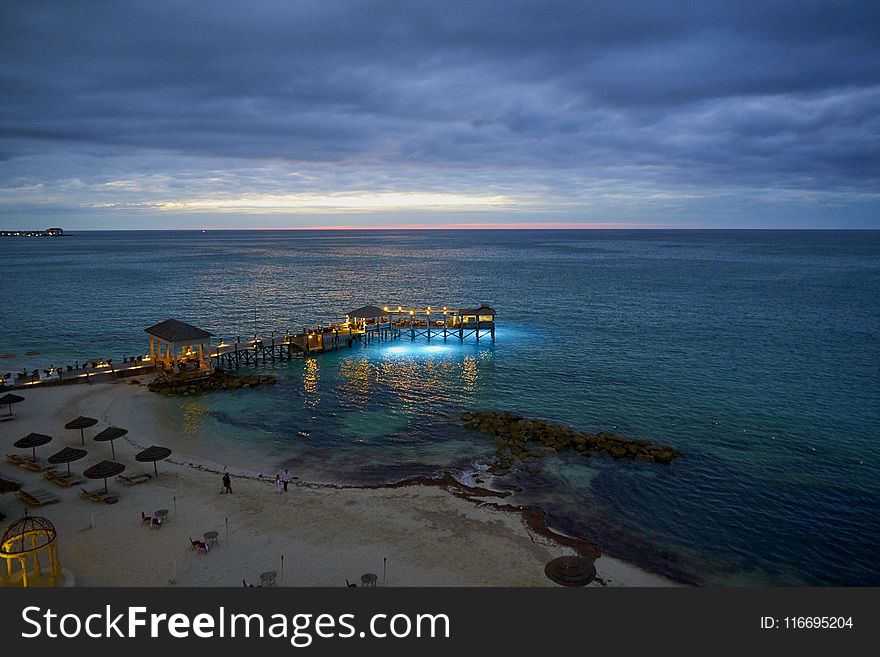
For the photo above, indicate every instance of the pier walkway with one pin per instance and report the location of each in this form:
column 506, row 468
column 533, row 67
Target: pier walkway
column 183, row 351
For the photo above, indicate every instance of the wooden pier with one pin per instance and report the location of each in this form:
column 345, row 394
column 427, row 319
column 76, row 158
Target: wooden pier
column 182, row 351
column 364, row 325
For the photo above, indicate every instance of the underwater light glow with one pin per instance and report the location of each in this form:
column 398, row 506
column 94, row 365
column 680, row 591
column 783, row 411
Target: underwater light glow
column 417, row 349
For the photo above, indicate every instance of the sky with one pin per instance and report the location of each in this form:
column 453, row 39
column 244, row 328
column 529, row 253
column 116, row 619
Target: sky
column 300, row 114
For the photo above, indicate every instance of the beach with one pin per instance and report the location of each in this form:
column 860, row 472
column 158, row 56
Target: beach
column 408, row 535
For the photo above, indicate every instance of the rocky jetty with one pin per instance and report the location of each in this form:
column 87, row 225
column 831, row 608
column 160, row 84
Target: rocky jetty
column 521, row 439
column 219, row 380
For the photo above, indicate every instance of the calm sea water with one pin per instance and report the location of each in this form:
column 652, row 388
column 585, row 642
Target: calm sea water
column 756, row 353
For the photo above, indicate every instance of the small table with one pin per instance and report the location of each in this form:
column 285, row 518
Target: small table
column 368, row 579
column 161, row 515
column 268, row 578
column 211, row 538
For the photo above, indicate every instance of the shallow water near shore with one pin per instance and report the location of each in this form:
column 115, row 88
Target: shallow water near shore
column 755, row 353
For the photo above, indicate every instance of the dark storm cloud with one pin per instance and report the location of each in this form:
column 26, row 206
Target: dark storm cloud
column 711, row 94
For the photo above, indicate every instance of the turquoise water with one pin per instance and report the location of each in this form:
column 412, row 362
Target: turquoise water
column 755, row 353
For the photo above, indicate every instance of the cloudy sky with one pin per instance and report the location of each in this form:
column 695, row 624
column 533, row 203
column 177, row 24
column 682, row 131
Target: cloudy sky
column 300, row 114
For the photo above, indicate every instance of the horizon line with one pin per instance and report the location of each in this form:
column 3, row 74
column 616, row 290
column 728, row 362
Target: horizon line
column 647, row 227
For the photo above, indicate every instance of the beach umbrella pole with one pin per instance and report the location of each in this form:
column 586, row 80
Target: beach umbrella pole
column 82, row 436
column 112, row 450
column 155, row 470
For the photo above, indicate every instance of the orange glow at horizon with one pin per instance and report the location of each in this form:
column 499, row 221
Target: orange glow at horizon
column 560, row 225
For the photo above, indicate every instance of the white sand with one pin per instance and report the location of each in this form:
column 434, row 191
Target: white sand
column 429, row 537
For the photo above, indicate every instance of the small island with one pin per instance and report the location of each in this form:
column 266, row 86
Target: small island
column 49, row 232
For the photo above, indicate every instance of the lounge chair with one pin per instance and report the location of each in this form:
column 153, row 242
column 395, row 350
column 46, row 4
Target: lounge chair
column 37, row 497
column 27, row 464
column 198, row 546
column 61, row 479
column 93, row 495
column 133, row 479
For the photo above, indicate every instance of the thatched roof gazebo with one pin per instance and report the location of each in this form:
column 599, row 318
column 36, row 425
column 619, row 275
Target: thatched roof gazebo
column 152, row 455
column 8, row 400
column 81, row 423
column 67, row 455
column 368, row 312
column 182, row 343
column 104, row 470
column 360, row 316
column 111, row 434
column 26, row 538
column 32, row 441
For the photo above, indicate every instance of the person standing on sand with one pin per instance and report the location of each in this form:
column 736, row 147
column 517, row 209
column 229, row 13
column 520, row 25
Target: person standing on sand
column 277, row 483
column 227, row 483
column 285, row 479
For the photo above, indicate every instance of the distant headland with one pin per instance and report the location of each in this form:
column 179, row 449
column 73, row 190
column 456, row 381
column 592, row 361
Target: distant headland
column 49, row 232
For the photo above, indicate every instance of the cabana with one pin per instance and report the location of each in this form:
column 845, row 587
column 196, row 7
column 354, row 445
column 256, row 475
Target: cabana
column 178, row 349
column 484, row 316
column 367, row 314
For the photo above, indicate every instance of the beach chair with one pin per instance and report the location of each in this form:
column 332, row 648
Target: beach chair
column 198, row 546
column 33, row 466
column 9, row 485
column 93, row 495
column 62, row 480
column 133, row 480
column 37, row 497
column 153, row 521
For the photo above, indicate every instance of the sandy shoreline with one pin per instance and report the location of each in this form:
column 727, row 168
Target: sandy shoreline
column 326, row 534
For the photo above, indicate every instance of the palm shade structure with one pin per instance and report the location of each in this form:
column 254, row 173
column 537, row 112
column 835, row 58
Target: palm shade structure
column 81, row 423
column 32, row 441
column 153, row 454
column 9, row 400
column 571, row 571
column 111, row 434
column 103, row 470
column 67, row 455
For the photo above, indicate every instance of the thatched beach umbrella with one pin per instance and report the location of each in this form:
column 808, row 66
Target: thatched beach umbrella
column 111, row 434
column 81, row 423
column 571, row 571
column 32, row 441
column 9, row 400
column 103, row 470
column 67, row 455
column 153, row 454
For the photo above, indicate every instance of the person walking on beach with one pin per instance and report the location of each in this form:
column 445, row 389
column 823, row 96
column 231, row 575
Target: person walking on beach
column 277, row 483
column 285, row 479
column 227, row 483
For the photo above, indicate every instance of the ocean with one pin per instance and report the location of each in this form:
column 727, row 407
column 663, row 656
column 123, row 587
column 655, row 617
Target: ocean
column 754, row 353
